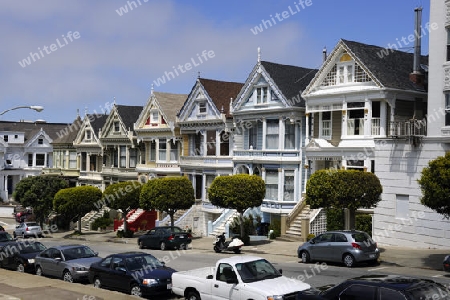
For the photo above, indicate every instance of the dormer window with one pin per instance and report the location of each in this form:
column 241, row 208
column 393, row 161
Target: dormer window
column 116, row 126
column 154, row 117
column 202, row 107
column 5, row 138
column 345, row 73
column 88, row 135
column 40, row 141
column 262, row 95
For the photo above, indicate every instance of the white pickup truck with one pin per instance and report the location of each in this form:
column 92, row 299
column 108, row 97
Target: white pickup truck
column 237, row 278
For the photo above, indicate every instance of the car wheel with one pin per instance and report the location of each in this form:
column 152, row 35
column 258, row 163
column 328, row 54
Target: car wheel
column 23, row 235
column 67, row 276
column 216, row 249
column 20, row 267
column 192, row 295
column 349, row 260
column 39, row 271
column 162, row 246
column 141, row 245
column 97, row 282
column 182, row 247
column 305, row 257
column 136, row 290
column 14, row 235
column 237, row 251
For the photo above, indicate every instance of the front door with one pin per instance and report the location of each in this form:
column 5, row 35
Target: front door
column 221, row 289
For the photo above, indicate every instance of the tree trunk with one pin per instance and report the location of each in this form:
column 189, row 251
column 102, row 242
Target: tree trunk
column 349, row 219
column 79, row 223
column 172, row 221
column 125, row 225
column 241, row 223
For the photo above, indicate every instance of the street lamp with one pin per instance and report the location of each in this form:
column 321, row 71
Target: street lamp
column 34, row 107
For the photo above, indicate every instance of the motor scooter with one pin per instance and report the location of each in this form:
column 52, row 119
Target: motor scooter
column 221, row 244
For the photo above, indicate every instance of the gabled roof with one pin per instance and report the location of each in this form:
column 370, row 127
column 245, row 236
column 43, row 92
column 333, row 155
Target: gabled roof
column 170, row 104
column 129, row 114
column 391, row 68
column 97, row 121
column 69, row 133
column 291, row 80
column 221, row 93
column 388, row 68
column 30, row 129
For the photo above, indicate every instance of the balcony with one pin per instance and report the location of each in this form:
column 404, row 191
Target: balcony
column 214, row 161
column 91, row 175
column 376, row 126
column 408, row 128
column 268, row 155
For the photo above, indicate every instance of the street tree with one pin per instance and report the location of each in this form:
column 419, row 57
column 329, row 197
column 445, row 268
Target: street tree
column 38, row 192
column 343, row 189
column 123, row 196
column 239, row 192
column 435, row 185
column 76, row 201
column 167, row 194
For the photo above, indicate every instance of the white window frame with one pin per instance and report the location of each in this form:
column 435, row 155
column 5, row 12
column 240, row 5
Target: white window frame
column 154, row 117
column 326, row 126
column 262, row 94
column 272, row 186
column 273, row 135
column 345, row 72
column 116, row 126
column 447, row 109
column 162, row 151
column 88, row 135
column 289, row 196
column 202, row 108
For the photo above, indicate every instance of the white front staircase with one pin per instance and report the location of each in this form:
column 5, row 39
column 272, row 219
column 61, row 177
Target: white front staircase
column 90, row 217
column 220, row 226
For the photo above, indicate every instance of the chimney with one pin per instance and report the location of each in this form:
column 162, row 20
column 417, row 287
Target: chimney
column 324, row 54
column 416, row 76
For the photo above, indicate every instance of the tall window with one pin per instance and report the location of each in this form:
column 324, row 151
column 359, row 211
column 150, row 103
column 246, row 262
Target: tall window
column 133, row 157
column 224, row 143
column 152, row 153
column 115, row 158
column 40, row 160
column 209, row 180
column 174, row 151
column 288, row 185
column 376, row 119
column 355, row 120
column 154, row 117
column 116, row 126
column 272, row 134
column 345, row 73
column 448, row 44
column 253, row 136
column 447, row 109
column 5, row 137
column 289, row 135
column 30, row 159
column 88, row 135
column 271, row 184
column 211, row 143
column 261, row 95
column 198, row 149
column 326, row 125
column 123, row 156
column 162, row 150
column 72, row 160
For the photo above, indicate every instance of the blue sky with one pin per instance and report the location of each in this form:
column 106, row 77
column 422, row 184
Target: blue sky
column 84, row 54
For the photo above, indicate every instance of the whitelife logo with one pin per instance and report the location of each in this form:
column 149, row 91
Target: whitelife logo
column 70, row 37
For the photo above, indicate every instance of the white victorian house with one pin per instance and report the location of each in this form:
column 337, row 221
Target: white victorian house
column 269, row 134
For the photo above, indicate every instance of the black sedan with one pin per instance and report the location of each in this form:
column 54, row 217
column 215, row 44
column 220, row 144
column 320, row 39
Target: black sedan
column 20, row 256
column 165, row 237
column 136, row 273
column 5, row 238
column 392, row 287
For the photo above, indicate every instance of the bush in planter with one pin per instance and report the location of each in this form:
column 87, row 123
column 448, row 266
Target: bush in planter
column 275, row 226
column 101, row 223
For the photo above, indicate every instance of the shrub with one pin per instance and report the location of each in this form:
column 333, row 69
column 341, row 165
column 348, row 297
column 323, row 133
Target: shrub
column 335, row 219
column 275, row 225
column 125, row 234
column 310, row 236
column 363, row 222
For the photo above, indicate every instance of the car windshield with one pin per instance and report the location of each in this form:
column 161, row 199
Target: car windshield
column 256, row 270
column 176, row 229
column 32, row 248
column 32, row 224
column 146, row 262
column 5, row 237
column 78, row 252
column 429, row 292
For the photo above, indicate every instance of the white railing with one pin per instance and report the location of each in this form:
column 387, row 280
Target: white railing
column 376, row 122
column 318, row 222
column 408, row 128
column 269, row 153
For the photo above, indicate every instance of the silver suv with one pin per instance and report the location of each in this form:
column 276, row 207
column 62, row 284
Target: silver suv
column 341, row 246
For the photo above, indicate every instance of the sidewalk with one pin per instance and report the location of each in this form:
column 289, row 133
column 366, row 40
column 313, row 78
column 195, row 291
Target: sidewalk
column 398, row 256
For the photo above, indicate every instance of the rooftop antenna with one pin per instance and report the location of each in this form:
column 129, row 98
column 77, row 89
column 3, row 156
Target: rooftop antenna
column 259, row 54
column 198, row 74
column 151, row 90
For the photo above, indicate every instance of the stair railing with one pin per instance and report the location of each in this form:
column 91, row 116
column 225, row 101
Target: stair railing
column 295, row 211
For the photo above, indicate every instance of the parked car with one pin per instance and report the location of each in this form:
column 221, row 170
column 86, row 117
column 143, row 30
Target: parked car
column 5, row 238
column 165, row 237
column 68, row 262
column 27, row 229
column 374, row 287
column 2, row 228
column 20, row 256
column 446, row 263
column 135, row 273
column 341, row 246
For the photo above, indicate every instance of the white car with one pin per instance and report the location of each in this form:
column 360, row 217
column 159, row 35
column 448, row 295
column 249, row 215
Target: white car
column 27, row 229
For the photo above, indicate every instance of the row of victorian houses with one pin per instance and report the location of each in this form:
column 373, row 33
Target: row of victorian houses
column 366, row 108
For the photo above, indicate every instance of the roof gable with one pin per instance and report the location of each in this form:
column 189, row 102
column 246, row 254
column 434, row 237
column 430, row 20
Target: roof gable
column 373, row 66
column 163, row 105
column 90, row 128
column 120, row 120
column 286, row 83
column 35, row 140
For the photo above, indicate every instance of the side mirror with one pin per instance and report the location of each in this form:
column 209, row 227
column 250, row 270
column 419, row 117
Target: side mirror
column 163, row 263
column 58, row 258
column 121, row 269
column 311, row 241
column 209, row 277
column 95, row 253
column 281, row 271
column 17, row 226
